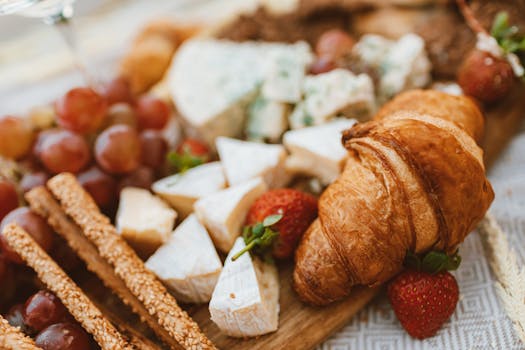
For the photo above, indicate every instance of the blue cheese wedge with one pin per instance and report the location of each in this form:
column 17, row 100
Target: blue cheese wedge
column 286, row 71
column 245, row 302
column 401, row 64
column 338, row 92
column 267, row 120
column 144, row 220
column 188, row 262
column 212, row 82
column 317, row 151
column 181, row 191
column 245, row 160
column 223, row 213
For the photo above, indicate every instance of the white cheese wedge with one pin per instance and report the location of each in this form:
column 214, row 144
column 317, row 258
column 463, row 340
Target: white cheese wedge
column 317, row 151
column 223, row 213
column 336, row 92
column 144, row 220
column 212, row 81
column 188, row 262
column 245, row 302
column 181, row 191
column 401, row 64
column 245, row 160
column 267, row 120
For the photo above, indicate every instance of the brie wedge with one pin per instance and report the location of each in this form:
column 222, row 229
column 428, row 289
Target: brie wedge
column 223, row 213
column 213, row 81
column 329, row 94
column 181, row 191
column 244, row 160
column 188, row 262
column 245, row 302
column 144, row 220
column 317, row 151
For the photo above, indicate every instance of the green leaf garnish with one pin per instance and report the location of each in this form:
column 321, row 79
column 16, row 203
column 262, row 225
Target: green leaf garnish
column 507, row 35
column 260, row 237
column 185, row 161
column 432, row 262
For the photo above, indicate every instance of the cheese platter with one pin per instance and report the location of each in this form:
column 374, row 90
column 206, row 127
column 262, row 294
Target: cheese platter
column 284, row 168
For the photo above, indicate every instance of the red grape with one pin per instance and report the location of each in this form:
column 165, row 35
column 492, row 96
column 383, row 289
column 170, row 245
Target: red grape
column 117, row 149
column 118, row 90
column 334, row 44
column 81, row 110
column 62, row 150
column 63, row 336
column 32, row 224
column 8, row 197
column 154, row 148
column 32, row 180
column 101, row 186
column 152, row 113
column 121, row 113
column 65, row 257
column 43, row 309
column 143, row 177
column 8, row 285
column 321, row 65
column 16, row 137
column 15, row 317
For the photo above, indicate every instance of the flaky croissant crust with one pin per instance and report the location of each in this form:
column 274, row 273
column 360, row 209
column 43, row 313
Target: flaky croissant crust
column 414, row 181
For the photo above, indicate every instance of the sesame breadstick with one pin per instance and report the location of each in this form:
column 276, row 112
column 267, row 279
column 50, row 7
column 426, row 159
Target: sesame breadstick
column 44, row 204
column 80, row 207
column 56, row 280
column 12, row 338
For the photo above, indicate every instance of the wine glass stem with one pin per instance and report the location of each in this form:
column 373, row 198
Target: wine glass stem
column 62, row 22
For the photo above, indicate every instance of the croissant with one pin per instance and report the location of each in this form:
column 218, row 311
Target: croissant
column 414, row 181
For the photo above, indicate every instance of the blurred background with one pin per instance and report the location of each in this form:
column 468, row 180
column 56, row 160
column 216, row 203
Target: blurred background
column 33, row 54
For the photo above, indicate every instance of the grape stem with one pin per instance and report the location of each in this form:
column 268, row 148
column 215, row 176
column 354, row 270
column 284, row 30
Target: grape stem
column 469, row 17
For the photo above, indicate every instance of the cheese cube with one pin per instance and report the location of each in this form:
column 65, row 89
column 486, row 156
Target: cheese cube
column 329, row 94
column 245, row 302
column 188, row 262
column 317, row 150
column 223, row 213
column 182, row 190
column 144, row 220
column 267, row 120
column 244, row 160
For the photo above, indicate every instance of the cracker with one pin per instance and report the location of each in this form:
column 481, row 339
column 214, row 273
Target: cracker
column 80, row 207
column 43, row 203
column 56, row 280
column 12, row 338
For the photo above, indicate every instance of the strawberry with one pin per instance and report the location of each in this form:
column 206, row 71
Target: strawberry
column 189, row 154
column 277, row 220
column 423, row 301
column 485, row 77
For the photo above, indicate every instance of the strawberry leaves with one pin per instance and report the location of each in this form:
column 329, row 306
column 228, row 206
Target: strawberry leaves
column 433, row 262
column 185, row 161
column 507, row 35
column 259, row 238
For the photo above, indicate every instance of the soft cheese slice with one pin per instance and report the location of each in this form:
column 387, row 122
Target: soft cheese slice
column 317, row 150
column 144, row 220
column 181, row 191
column 244, row 160
column 267, row 120
column 329, row 94
column 213, row 81
column 245, row 302
column 188, row 262
column 223, row 213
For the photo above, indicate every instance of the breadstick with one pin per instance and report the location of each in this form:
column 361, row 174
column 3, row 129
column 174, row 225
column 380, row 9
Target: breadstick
column 12, row 338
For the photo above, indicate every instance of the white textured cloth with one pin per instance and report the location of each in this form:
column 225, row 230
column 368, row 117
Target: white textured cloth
column 480, row 321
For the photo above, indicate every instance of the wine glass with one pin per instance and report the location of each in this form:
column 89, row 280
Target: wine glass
column 53, row 12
